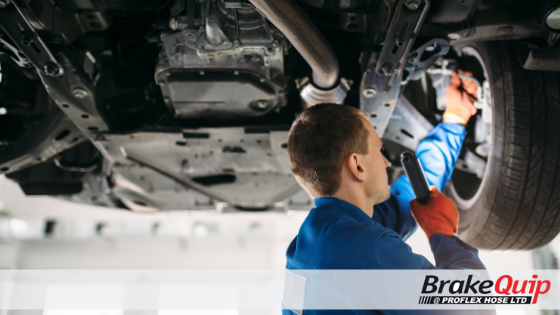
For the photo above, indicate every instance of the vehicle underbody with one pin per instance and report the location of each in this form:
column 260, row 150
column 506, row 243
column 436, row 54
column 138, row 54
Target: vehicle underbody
column 152, row 105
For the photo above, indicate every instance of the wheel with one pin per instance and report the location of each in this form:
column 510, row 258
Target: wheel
column 512, row 200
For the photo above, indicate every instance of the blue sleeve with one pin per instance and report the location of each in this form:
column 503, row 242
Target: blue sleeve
column 452, row 253
column 437, row 153
column 391, row 252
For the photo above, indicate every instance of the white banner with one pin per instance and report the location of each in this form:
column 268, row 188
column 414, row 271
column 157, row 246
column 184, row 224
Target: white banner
column 271, row 289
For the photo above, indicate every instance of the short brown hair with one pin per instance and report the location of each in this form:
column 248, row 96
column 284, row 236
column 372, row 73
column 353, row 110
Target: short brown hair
column 319, row 140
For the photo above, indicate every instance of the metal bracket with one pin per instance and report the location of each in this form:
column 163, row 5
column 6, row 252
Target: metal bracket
column 54, row 134
column 408, row 127
column 379, row 103
column 20, row 60
column 424, row 57
column 74, row 94
column 19, row 29
column 404, row 28
column 382, row 82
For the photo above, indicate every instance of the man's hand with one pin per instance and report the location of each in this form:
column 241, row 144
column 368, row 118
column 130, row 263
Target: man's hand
column 461, row 94
column 438, row 215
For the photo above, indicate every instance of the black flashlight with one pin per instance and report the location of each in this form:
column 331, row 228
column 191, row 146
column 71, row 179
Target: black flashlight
column 415, row 173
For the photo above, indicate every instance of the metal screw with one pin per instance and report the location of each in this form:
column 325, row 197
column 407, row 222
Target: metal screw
column 387, row 69
column 201, row 72
column 400, row 41
column 3, row 3
column 262, row 80
column 255, row 59
column 51, row 69
column 262, row 104
column 275, row 43
column 80, row 93
column 431, row 48
column 236, row 43
column 236, row 72
column 412, row 4
column 467, row 34
column 199, row 48
column 369, row 93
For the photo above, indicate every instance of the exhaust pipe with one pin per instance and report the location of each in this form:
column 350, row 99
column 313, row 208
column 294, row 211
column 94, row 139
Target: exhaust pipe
column 290, row 19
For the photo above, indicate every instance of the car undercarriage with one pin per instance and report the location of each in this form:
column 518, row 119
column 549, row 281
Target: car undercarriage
column 152, row 105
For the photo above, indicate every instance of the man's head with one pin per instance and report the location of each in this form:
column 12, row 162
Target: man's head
column 331, row 146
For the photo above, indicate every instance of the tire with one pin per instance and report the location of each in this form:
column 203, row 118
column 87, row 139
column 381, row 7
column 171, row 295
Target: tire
column 517, row 205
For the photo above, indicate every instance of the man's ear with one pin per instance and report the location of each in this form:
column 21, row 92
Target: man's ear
column 355, row 167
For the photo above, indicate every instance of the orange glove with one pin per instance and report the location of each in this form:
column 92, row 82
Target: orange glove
column 461, row 94
column 438, row 215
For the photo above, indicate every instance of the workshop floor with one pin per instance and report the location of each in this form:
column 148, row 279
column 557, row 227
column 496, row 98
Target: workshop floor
column 87, row 237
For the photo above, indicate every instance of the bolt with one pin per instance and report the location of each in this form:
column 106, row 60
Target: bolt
column 454, row 36
column 26, row 40
column 201, row 72
column 262, row 104
column 199, row 48
column 369, row 93
column 80, row 93
column 173, row 24
column 255, row 59
column 467, row 34
column 400, row 41
column 412, row 4
column 236, row 43
column 235, row 72
column 387, row 69
column 3, row 3
column 212, row 21
column 51, row 69
column 275, row 43
column 431, row 48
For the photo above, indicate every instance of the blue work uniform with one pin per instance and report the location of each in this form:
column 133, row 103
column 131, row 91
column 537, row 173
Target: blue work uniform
column 339, row 235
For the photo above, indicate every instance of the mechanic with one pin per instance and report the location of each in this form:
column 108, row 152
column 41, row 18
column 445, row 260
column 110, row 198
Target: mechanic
column 358, row 221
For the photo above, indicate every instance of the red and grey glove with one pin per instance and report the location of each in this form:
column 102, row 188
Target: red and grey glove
column 438, row 215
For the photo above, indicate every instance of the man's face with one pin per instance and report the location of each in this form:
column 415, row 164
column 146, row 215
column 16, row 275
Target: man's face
column 376, row 182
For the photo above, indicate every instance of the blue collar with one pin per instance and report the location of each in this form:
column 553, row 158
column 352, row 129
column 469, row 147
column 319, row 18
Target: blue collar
column 343, row 207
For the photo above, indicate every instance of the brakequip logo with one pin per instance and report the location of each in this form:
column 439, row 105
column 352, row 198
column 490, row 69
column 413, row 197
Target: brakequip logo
column 506, row 290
